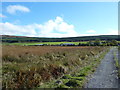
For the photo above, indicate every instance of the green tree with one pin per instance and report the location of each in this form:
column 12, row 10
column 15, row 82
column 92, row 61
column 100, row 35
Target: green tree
column 97, row 42
column 114, row 43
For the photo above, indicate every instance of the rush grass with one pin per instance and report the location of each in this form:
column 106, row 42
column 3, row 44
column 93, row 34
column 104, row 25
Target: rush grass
column 78, row 78
column 31, row 67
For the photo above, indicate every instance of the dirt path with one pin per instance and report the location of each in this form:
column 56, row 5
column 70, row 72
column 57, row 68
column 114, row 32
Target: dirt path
column 106, row 73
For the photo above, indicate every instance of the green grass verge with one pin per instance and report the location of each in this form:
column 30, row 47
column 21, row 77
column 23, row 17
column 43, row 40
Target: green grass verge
column 117, row 63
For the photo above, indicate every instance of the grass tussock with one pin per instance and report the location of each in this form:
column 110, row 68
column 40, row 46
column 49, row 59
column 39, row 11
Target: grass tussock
column 30, row 66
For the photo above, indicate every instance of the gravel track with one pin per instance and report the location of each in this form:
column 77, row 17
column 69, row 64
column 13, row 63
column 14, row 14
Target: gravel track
column 105, row 75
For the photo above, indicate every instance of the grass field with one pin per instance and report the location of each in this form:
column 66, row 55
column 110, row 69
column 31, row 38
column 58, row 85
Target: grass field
column 49, row 43
column 43, row 66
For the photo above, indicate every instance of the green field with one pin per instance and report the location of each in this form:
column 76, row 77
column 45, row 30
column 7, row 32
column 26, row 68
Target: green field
column 48, row 43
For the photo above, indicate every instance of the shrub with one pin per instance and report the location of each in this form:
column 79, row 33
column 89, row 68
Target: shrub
column 73, row 83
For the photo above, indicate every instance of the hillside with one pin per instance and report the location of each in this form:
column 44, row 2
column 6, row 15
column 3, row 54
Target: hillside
column 12, row 39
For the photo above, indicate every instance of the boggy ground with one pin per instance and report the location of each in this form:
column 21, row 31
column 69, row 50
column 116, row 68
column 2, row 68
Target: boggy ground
column 33, row 66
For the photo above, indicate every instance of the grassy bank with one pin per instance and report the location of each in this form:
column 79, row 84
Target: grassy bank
column 116, row 58
column 45, row 66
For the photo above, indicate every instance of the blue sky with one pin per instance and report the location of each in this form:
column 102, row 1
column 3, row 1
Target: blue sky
column 63, row 19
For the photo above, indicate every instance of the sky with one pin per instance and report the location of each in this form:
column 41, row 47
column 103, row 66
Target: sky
column 59, row 19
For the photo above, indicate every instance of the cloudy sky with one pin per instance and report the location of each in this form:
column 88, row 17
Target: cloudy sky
column 59, row 19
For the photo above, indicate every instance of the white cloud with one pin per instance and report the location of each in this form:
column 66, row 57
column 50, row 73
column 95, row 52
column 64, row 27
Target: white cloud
column 2, row 16
column 91, row 31
column 108, row 32
column 13, row 8
column 11, row 29
column 52, row 28
column 58, row 25
column 112, row 32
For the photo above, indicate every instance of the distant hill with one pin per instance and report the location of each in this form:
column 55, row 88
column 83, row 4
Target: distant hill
column 13, row 39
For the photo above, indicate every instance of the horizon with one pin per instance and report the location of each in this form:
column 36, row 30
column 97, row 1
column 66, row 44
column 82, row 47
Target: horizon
column 57, row 20
column 56, row 37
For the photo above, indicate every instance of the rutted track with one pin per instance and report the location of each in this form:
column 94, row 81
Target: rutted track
column 106, row 73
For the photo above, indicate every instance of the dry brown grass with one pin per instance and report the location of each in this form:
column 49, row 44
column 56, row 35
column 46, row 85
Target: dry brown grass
column 36, row 50
column 29, row 66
